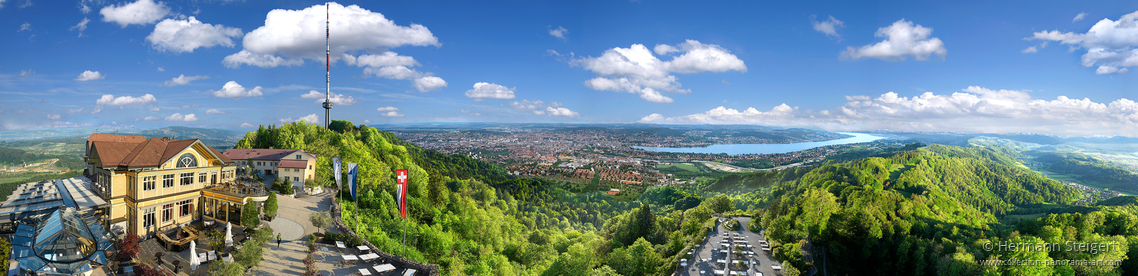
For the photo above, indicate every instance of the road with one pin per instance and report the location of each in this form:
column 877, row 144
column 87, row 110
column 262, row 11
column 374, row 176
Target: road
column 707, row 253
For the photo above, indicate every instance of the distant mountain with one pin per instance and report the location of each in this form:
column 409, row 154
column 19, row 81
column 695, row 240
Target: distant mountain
column 217, row 138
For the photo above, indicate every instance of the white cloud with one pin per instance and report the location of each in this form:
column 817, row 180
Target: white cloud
column 429, row 83
column 652, row 117
column 297, row 34
column 233, row 90
column 90, row 76
column 391, row 114
column 214, row 111
column 1030, row 50
column 636, row 70
column 53, row 116
column 247, row 125
column 259, row 60
column 902, row 39
column 483, row 90
column 367, row 121
column 181, row 36
column 560, row 112
column 141, row 12
column 153, row 108
column 150, row 118
column 188, row 106
column 1112, row 45
column 183, row 80
column 388, row 58
column 829, row 27
column 178, row 117
column 472, row 113
column 424, row 82
column 1079, row 17
column 387, row 109
column 974, row 109
column 82, row 26
column 109, row 99
column 559, row 32
column 311, row 119
column 73, row 111
column 25, row 73
column 338, row 99
column 160, row 69
column 25, row 27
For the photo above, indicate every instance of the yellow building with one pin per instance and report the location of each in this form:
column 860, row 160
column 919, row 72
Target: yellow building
column 294, row 165
column 158, row 183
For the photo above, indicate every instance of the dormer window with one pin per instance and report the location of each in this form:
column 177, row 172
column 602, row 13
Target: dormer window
column 187, row 161
column 298, row 157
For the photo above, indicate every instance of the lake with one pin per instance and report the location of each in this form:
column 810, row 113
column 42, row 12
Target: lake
column 767, row 148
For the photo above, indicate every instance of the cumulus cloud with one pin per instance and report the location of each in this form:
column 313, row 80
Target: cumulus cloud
column 90, row 76
column 235, row 91
column 311, row 119
column 73, row 111
column 1112, row 45
column 483, row 90
column 1079, row 17
column 636, row 70
column 829, row 26
column 25, row 73
column 259, row 60
column 181, row 36
column 387, row 109
column 188, row 106
column 109, row 99
column 538, row 107
column 150, row 118
column 424, row 82
column 25, row 27
column 339, row 99
column 296, row 34
column 178, row 117
column 54, row 116
column 388, row 58
column 391, row 114
column 902, row 39
column 1030, row 50
column 82, row 26
column 559, row 32
column 140, row 12
column 247, row 125
column 214, row 111
column 973, row 109
column 153, row 108
column 183, row 80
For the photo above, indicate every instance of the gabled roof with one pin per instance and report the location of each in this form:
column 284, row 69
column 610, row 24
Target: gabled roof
column 262, row 154
column 99, row 137
column 149, row 153
column 293, row 164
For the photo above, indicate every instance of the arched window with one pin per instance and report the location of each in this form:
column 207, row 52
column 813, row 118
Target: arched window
column 187, row 161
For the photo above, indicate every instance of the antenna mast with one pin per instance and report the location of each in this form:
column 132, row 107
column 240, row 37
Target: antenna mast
column 327, row 69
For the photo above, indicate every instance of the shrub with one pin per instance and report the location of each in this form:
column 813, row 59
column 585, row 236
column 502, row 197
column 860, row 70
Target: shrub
column 320, row 219
column 146, row 270
column 128, row 247
column 271, row 205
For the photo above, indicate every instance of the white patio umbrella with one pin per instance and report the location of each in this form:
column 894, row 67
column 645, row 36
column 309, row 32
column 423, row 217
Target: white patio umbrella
column 194, row 261
column 228, row 234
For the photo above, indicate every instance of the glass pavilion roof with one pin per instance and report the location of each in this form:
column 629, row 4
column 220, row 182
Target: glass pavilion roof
column 63, row 242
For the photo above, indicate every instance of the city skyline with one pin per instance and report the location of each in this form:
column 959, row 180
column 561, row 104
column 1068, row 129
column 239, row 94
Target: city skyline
column 1055, row 68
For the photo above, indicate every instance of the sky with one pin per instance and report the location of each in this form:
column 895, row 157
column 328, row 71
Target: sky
column 1053, row 67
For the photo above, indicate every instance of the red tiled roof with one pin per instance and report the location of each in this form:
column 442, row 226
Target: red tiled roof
column 262, row 154
column 99, row 137
column 148, row 153
column 293, row 164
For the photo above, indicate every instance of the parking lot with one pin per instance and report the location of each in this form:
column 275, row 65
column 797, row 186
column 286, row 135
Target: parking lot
column 708, row 257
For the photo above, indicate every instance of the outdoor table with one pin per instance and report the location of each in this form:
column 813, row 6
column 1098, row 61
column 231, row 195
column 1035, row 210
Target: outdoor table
column 364, row 271
column 408, row 272
column 349, row 258
column 776, row 267
column 363, row 248
column 366, row 257
column 213, row 255
column 384, row 268
column 340, row 245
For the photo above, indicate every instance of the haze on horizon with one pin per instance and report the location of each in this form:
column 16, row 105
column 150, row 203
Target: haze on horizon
column 1058, row 68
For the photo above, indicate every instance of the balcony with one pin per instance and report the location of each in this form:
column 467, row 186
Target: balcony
column 239, row 190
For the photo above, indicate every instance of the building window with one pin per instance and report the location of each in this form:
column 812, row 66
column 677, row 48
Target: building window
column 187, row 179
column 294, row 178
column 130, row 182
column 309, row 167
column 298, row 157
column 185, row 207
column 259, row 163
column 201, row 177
column 187, row 161
column 148, row 217
column 148, row 182
column 168, row 181
column 167, row 212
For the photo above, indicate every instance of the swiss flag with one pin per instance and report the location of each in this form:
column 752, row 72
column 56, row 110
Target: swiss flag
column 401, row 187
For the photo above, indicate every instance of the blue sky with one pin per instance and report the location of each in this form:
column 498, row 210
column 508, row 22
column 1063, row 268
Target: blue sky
column 927, row 66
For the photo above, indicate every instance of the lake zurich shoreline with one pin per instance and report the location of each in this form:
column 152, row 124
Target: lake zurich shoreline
column 736, row 149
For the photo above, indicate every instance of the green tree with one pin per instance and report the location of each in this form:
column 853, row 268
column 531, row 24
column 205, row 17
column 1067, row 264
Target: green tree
column 320, row 220
column 220, row 268
column 789, row 270
column 271, row 205
column 721, row 203
column 250, row 216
